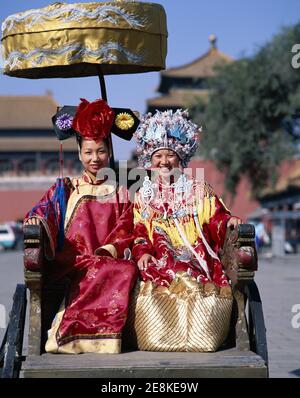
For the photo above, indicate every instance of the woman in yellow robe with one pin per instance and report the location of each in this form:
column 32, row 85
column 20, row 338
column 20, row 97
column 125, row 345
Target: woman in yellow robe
column 183, row 302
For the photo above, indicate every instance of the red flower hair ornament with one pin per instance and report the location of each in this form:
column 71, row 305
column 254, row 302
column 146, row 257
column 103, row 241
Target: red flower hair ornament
column 93, row 120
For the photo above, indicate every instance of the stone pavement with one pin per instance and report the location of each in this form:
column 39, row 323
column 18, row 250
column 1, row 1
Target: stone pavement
column 11, row 273
column 278, row 281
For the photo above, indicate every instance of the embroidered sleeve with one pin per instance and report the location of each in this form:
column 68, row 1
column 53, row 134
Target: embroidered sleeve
column 215, row 225
column 107, row 250
column 50, row 213
column 121, row 237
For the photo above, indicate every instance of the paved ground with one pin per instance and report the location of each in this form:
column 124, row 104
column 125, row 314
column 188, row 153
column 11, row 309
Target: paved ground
column 279, row 284
column 11, row 273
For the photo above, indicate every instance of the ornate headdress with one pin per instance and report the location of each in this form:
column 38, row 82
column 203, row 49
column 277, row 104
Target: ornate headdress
column 94, row 120
column 166, row 130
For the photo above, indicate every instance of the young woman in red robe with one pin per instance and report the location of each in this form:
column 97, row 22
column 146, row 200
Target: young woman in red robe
column 180, row 226
column 88, row 223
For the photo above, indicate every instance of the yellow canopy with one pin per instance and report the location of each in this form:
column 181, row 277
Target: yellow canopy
column 85, row 39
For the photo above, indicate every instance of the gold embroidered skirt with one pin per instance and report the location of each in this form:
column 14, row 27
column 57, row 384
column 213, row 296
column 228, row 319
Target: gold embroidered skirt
column 185, row 317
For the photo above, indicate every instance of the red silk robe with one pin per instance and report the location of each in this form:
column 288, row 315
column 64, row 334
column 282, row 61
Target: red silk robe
column 95, row 255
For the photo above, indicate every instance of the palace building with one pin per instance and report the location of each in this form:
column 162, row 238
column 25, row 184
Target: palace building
column 29, row 152
column 28, row 146
column 180, row 86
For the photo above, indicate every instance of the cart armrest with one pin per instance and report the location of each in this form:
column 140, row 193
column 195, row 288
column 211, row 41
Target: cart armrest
column 33, row 247
column 239, row 256
column 239, row 260
column 33, row 265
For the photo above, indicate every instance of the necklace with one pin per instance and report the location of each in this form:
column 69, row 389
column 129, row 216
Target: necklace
column 180, row 199
column 177, row 196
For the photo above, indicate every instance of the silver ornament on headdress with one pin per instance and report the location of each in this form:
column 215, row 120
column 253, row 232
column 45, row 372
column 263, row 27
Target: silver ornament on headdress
column 166, row 130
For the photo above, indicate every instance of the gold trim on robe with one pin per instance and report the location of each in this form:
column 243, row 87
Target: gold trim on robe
column 78, row 346
column 109, row 248
column 84, row 189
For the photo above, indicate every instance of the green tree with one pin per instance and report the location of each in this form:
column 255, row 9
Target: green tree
column 242, row 123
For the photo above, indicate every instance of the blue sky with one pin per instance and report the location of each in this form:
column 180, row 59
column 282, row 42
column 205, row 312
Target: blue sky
column 240, row 25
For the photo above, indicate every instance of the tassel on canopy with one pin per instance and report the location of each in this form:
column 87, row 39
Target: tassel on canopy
column 59, row 205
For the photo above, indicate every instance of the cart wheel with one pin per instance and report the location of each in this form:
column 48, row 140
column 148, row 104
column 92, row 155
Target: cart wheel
column 12, row 344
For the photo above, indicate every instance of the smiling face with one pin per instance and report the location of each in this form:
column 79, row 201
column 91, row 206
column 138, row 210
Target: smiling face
column 94, row 155
column 165, row 160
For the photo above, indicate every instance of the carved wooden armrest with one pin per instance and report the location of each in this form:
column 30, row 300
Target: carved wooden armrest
column 33, row 247
column 239, row 259
column 33, row 265
column 239, row 256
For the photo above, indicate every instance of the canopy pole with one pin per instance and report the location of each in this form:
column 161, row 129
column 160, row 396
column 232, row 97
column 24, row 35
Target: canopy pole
column 102, row 87
column 104, row 97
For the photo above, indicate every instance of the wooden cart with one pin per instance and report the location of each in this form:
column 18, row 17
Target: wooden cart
column 244, row 353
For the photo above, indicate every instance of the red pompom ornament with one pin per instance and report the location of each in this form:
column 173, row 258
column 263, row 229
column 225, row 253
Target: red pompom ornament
column 93, row 120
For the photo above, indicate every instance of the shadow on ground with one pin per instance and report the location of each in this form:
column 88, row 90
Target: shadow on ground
column 295, row 372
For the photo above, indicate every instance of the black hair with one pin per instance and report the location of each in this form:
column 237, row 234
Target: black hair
column 78, row 139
